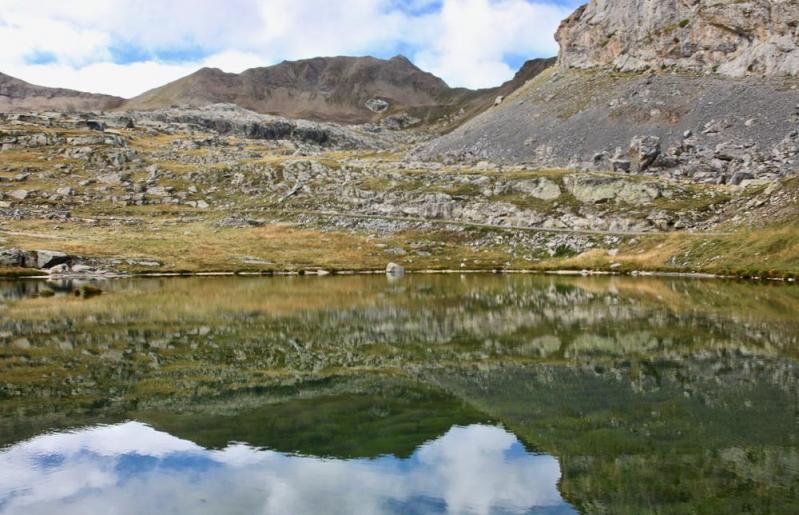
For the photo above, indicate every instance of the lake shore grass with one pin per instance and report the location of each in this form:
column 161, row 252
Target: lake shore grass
column 199, row 248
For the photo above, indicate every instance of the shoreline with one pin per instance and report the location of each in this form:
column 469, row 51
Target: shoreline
column 787, row 278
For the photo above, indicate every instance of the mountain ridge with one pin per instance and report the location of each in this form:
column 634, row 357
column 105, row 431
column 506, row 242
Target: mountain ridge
column 19, row 95
column 341, row 89
column 338, row 89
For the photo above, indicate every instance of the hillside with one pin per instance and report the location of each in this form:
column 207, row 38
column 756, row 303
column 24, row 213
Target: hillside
column 345, row 89
column 337, row 89
column 621, row 100
column 18, row 96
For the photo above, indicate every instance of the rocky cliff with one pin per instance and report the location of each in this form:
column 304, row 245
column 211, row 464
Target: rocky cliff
column 728, row 37
column 674, row 109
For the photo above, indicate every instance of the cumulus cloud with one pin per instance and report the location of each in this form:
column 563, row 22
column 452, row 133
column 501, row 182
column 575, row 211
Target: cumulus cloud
column 125, row 47
column 475, row 36
column 132, row 468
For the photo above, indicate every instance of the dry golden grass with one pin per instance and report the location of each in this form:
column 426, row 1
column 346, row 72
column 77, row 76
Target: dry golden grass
column 200, row 247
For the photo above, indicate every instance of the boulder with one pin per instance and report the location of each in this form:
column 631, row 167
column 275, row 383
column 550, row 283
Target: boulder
column 394, row 269
column 593, row 190
column 377, row 105
column 12, row 257
column 740, row 177
column 542, row 189
column 19, row 194
column 50, row 258
column 113, row 179
column 644, row 150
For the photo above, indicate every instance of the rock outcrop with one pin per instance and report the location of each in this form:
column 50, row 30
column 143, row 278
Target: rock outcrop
column 728, row 37
column 676, row 111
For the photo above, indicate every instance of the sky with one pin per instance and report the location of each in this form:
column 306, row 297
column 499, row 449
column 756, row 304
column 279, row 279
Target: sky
column 125, row 47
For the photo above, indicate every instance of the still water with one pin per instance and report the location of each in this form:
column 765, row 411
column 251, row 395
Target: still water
column 429, row 394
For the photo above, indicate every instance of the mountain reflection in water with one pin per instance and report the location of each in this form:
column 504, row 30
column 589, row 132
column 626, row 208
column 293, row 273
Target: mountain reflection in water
column 654, row 395
column 133, row 468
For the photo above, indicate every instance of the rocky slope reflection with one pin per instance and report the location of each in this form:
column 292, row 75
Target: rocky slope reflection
column 143, row 341
column 664, row 396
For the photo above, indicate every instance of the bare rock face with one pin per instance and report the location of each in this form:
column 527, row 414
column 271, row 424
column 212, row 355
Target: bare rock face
column 729, row 37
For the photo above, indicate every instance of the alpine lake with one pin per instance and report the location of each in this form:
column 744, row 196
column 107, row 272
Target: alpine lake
column 465, row 393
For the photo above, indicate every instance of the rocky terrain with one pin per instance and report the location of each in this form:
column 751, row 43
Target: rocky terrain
column 701, row 89
column 68, row 182
column 589, row 164
column 337, row 89
column 705, row 128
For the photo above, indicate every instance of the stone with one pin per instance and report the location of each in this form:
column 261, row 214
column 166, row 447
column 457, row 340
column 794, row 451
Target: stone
column 542, row 189
column 740, row 177
column 394, row 269
column 377, row 105
column 113, row 179
column 12, row 257
column 83, row 269
column 21, row 344
column 593, row 190
column 19, row 194
column 63, row 268
column 50, row 258
column 398, row 122
column 621, row 165
column 96, row 125
column 644, row 150
column 160, row 191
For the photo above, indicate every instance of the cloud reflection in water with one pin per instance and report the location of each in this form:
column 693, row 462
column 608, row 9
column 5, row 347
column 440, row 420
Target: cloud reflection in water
column 132, row 468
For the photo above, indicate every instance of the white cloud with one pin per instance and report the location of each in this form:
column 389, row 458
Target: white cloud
column 476, row 35
column 104, row 77
column 125, row 47
column 132, row 468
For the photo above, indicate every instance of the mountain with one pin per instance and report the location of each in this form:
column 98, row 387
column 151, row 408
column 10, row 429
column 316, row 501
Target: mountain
column 17, row 95
column 695, row 88
column 338, row 89
column 342, row 89
column 332, row 89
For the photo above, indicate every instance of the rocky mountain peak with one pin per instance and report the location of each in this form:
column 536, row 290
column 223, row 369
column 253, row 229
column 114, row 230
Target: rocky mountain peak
column 728, row 37
column 341, row 89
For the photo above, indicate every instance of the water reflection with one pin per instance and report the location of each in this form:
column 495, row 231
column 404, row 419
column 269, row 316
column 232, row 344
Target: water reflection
column 133, row 468
column 656, row 396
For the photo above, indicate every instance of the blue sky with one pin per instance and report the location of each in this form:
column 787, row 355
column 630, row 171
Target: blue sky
column 125, row 47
